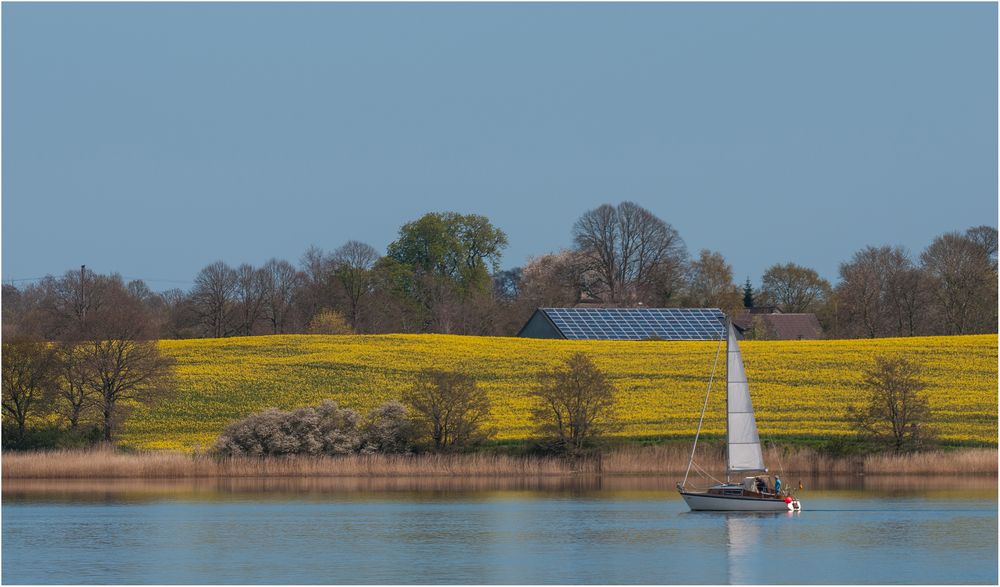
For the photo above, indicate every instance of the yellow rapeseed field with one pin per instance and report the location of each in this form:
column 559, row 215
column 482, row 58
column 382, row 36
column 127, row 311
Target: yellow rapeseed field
column 800, row 388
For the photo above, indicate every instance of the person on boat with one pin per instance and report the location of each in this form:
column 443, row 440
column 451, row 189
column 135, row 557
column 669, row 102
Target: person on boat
column 761, row 486
column 777, row 485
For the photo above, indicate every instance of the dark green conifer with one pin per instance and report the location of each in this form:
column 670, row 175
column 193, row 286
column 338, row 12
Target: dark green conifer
column 748, row 294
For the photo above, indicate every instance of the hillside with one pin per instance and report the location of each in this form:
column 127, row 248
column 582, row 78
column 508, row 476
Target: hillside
column 800, row 388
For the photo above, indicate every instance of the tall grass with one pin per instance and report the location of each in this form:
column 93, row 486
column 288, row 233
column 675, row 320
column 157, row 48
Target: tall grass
column 655, row 460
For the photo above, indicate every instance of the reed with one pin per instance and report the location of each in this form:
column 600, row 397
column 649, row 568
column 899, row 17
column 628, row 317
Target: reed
column 108, row 464
column 650, row 460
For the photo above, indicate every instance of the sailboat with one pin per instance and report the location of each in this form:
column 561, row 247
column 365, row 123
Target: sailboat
column 743, row 454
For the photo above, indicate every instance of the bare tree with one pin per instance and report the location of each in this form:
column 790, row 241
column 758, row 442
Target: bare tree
column 67, row 306
column 575, row 403
column 630, row 255
column 123, row 364
column 963, row 282
column 878, row 293
column 28, row 378
column 906, row 293
column 449, row 408
column 398, row 310
column 986, row 238
column 250, row 297
column 353, row 264
column 317, row 288
column 72, row 390
column 213, row 298
column 711, row 284
column 895, row 410
column 182, row 319
column 793, row 288
column 281, row 282
column 14, row 305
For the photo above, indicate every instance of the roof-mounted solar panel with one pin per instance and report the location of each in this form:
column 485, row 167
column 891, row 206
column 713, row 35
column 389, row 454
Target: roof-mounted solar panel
column 638, row 323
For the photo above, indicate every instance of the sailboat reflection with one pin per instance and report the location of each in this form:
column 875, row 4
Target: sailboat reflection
column 744, row 541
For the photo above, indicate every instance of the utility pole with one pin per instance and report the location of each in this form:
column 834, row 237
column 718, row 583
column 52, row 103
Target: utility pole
column 83, row 295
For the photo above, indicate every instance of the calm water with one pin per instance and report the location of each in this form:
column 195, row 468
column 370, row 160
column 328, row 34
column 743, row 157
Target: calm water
column 513, row 531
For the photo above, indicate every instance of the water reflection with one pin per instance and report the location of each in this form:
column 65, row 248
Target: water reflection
column 741, row 533
column 509, row 530
column 659, row 487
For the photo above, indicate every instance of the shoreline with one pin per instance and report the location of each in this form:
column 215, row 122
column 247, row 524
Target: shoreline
column 630, row 462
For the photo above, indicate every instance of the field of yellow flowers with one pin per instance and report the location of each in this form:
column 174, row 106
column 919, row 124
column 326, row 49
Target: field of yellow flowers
column 801, row 389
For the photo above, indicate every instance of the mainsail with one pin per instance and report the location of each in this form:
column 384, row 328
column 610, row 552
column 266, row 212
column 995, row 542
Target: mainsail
column 744, row 443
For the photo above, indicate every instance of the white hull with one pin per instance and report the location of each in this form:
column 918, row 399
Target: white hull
column 724, row 503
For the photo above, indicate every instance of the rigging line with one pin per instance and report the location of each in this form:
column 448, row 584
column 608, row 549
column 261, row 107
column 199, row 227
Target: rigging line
column 703, row 408
column 777, row 452
column 706, row 473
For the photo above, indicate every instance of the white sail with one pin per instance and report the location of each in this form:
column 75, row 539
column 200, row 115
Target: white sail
column 744, row 443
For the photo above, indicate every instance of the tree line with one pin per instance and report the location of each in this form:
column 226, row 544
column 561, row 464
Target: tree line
column 89, row 359
column 442, row 274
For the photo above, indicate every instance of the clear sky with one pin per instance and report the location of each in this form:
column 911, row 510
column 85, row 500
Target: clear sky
column 153, row 139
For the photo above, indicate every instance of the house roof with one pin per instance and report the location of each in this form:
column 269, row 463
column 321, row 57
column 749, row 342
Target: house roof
column 783, row 326
column 633, row 323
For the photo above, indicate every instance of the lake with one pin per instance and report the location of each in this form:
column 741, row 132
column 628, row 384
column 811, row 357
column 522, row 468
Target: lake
column 548, row 530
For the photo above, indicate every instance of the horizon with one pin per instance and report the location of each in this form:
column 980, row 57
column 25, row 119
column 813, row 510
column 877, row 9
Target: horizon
column 151, row 140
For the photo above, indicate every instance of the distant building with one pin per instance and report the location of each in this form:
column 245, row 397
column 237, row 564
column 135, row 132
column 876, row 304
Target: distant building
column 777, row 325
column 625, row 324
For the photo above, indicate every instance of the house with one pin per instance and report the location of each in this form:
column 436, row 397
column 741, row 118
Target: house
column 770, row 323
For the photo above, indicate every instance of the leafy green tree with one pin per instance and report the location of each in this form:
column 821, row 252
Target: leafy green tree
column 444, row 262
column 457, row 247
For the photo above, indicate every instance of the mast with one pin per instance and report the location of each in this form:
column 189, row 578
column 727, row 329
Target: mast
column 702, row 418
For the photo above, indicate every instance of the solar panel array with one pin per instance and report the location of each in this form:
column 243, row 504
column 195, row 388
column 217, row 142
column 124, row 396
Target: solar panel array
column 638, row 323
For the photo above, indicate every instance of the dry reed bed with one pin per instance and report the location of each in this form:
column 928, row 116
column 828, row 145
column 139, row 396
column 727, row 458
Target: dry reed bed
column 804, row 461
column 138, row 489
column 655, row 460
column 166, row 465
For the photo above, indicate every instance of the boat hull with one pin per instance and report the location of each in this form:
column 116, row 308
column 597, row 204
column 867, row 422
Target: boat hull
column 699, row 502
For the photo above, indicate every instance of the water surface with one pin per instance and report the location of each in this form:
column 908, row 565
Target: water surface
column 544, row 530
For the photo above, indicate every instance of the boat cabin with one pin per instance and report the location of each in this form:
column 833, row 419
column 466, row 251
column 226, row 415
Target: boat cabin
column 748, row 488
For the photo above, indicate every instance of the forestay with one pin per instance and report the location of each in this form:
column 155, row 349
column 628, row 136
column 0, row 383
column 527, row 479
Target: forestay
column 744, row 443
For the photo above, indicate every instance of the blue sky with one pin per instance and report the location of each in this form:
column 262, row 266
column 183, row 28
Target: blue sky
column 153, row 139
